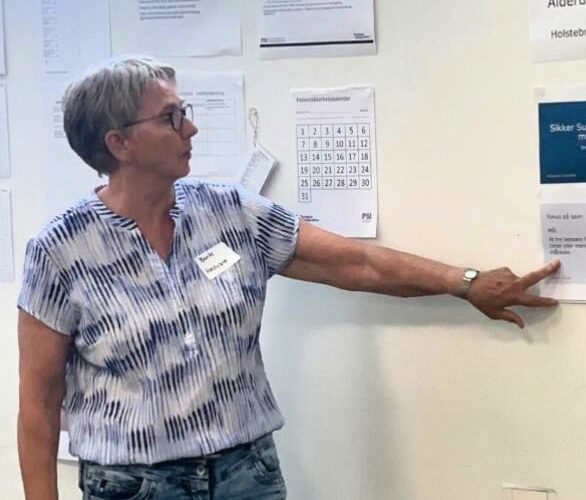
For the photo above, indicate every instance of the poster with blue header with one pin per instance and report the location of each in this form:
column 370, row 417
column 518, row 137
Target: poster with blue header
column 562, row 141
column 562, row 197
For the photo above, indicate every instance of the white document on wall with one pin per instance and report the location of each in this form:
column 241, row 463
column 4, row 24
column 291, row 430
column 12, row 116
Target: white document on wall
column 219, row 148
column 59, row 160
column 6, row 253
column 2, row 41
column 336, row 159
column 563, row 234
column 4, row 142
column 63, row 449
column 74, row 35
column 558, row 29
column 305, row 28
column 258, row 169
column 63, row 453
column 176, row 27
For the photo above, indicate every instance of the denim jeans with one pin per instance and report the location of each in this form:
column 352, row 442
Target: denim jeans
column 247, row 472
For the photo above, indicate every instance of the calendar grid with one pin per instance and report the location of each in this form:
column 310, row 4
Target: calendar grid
column 333, row 156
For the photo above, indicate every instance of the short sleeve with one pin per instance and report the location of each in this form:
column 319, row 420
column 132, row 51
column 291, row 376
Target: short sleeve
column 43, row 295
column 275, row 229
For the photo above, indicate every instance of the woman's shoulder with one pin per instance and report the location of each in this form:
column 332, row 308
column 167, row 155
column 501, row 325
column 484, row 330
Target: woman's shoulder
column 204, row 193
column 66, row 225
column 199, row 186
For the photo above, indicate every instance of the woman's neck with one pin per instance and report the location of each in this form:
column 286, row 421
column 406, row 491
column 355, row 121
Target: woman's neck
column 140, row 199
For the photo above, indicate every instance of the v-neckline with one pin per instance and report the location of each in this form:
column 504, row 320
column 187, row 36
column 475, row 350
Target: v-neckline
column 128, row 224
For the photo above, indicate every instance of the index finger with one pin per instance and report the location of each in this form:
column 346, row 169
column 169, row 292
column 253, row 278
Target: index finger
column 528, row 300
column 534, row 277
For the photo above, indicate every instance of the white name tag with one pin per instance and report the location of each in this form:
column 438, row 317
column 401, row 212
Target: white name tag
column 216, row 260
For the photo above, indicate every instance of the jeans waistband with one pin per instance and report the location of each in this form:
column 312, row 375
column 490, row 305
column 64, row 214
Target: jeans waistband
column 261, row 442
column 212, row 456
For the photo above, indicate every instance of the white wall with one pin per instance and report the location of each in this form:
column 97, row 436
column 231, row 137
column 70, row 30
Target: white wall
column 389, row 398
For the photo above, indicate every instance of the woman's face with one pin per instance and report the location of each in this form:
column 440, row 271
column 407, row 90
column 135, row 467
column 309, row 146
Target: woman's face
column 154, row 146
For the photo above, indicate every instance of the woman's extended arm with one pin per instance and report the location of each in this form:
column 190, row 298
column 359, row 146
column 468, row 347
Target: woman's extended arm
column 324, row 257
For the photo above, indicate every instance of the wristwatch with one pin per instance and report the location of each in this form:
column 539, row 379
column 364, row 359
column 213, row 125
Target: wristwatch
column 469, row 276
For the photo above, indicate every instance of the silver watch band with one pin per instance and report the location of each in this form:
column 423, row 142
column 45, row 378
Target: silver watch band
column 468, row 277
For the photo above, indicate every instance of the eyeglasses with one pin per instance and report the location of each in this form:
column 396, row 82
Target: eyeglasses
column 175, row 117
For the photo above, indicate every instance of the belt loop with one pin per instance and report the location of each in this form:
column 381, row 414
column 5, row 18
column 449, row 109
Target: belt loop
column 81, row 478
column 253, row 445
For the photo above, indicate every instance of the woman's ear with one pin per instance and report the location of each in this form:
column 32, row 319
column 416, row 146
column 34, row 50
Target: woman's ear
column 115, row 141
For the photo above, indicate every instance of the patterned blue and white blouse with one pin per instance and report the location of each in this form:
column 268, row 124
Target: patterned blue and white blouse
column 166, row 362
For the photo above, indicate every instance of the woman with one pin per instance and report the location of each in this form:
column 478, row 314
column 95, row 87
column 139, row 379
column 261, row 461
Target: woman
column 141, row 307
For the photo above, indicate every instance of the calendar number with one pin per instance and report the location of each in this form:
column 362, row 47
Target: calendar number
column 333, row 156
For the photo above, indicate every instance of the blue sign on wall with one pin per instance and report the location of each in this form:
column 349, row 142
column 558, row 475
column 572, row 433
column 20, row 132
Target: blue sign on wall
column 562, row 142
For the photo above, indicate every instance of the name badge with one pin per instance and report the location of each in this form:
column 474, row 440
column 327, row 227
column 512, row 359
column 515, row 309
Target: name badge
column 216, row 260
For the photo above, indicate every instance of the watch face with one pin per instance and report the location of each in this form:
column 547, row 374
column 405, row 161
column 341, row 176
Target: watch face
column 471, row 274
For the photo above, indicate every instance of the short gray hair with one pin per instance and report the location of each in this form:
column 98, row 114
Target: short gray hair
column 107, row 97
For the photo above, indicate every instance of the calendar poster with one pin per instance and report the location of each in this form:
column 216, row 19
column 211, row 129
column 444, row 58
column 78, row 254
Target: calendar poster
column 336, row 159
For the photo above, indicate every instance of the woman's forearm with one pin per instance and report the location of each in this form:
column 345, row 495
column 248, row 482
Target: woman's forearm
column 38, row 441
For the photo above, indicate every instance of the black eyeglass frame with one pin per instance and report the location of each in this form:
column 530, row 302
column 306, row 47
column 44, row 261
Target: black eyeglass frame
column 175, row 117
